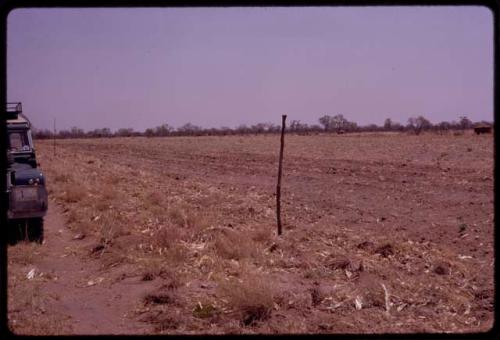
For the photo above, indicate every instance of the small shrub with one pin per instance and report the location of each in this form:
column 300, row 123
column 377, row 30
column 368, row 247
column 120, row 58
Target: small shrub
column 111, row 227
column 101, row 205
column 197, row 221
column 385, row 250
column 235, row 245
column 261, row 234
column 82, row 227
column 159, row 298
column 72, row 217
column 166, row 237
column 204, row 311
column 176, row 255
column 163, row 295
column 177, row 216
column 111, row 257
column 152, row 268
column 462, row 227
column 74, row 194
column 154, row 198
column 252, row 297
column 113, row 180
column 108, row 193
column 62, row 178
column 24, row 253
column 158, row 212
column 165, row 322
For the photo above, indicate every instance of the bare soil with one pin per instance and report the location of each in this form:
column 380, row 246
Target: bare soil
column 383, row 233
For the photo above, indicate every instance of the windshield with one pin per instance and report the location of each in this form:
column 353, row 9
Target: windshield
column 19, row 141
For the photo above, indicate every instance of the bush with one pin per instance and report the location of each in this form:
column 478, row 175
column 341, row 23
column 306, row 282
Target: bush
column 252, row 296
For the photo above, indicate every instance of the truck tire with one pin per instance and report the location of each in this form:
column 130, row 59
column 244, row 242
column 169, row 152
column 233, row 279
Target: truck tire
column 35, row 230
column 13, row 232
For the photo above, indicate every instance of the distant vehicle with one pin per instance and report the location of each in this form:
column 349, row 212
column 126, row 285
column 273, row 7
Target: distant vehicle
column 28, row 201
column 482, row 128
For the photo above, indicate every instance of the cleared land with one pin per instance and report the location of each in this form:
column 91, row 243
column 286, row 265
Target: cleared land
column 382, row 233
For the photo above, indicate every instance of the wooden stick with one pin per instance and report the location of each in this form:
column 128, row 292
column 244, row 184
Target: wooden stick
column 278, row 187
column 54, row 139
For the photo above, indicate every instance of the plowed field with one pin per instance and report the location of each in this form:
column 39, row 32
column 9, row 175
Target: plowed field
column 382, row 233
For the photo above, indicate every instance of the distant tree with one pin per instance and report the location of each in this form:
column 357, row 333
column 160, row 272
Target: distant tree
column 294, row 125
column 209, row 132
column 76, row 132
column 326, row 122
column 106, row 132
column 243, row 129
column 465, row 123
column 189, row 129
column 273, row 128
column 224, row 130
column 97, row 133
column 64, row 134
column 388, row 125
column 149, row 132
column 315, row 128
column 336, row 123
column 419, row 124
column 454, row 125
column 371, row 127
column 124, row 132
column 166, row 130
column 351, row 127
column 339, row 123
column 298, row 127
column 41, row 134
column 443, row 126
column 259, row 128
column 395, row 126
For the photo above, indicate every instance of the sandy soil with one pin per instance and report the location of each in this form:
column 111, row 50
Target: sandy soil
column 382, row 233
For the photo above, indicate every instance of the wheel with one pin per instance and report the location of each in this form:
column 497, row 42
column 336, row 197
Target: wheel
column 35, row 230
column 13, row 232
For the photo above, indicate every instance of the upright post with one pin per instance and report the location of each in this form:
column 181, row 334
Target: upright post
column 54, row 139
column 278, row 188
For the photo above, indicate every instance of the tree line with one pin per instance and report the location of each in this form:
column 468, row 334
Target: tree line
column 327, row 123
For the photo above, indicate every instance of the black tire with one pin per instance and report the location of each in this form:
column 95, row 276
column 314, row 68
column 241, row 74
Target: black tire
column 35, row 230
column 13, row 232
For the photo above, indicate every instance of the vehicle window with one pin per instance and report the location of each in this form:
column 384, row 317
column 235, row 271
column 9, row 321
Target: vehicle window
column 19, row 141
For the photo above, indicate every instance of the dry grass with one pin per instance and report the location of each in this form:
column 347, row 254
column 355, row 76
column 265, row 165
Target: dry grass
column 178, row 216
column 235, row 245
column 24, row 253
column 205, row 310
column 262, row 234
column 27, row 314
column 167, row 236
column 63, row 178
column 73, row 193
column 154, row 198
column 176, row 255
column 153, row 267
column 251, row 296
column 193, row 224
column 208, row 229
column 111, row 226
column 108, row 193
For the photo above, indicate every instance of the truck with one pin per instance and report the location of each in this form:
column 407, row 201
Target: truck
column 27, row 194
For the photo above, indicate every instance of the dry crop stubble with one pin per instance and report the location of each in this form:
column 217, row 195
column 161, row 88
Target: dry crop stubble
column 202, row 209
column 28, row 305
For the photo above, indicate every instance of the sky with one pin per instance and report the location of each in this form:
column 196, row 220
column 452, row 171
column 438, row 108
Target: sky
column 214, row 67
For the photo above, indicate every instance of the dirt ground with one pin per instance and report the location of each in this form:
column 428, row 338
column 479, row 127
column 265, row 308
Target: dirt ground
column 382, row 233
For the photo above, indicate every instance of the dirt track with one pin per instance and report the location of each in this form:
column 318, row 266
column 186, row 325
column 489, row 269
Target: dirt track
column 69, row 286
column 382, row 234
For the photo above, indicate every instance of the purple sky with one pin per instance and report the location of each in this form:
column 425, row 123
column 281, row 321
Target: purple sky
column 213, row 67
